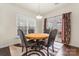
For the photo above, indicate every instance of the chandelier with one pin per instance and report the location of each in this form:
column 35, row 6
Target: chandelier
column 39, row 16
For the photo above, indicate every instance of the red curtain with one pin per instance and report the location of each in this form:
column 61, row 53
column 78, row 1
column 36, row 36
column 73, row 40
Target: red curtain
column 66, row 28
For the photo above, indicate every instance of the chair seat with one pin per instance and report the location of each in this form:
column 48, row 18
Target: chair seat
column 43, row 43
column 31, row 43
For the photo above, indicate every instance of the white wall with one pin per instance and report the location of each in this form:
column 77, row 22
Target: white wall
column 39, row 25
column 8, row 21
column 74, row 8
column 26, row 12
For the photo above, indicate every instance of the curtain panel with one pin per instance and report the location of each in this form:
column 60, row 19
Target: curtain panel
column 45, row 23
column 66, row 28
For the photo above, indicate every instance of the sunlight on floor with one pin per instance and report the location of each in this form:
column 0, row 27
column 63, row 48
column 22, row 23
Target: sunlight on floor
column 17, row 51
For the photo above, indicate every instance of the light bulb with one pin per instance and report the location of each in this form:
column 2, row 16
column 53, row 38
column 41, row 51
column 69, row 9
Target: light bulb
column 39, row 17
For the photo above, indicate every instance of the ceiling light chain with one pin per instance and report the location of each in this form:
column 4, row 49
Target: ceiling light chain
column 39, row 16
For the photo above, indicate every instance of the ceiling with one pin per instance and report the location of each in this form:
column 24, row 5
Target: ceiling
column 41, row 8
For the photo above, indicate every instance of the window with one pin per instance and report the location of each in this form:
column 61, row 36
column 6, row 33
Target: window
column 55, row 23
column 26, row 23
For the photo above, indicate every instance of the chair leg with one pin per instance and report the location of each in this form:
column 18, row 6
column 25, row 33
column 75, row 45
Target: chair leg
column 53, row 48
column 47, row 51
column 22, row 48
column 26, row 51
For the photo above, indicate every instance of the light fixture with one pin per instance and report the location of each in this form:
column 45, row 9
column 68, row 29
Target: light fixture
column 39, row 16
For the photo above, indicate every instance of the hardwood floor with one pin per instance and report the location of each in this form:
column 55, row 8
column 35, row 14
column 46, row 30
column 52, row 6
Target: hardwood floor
column 68, row 51
column 63, row 51
column 5, row 51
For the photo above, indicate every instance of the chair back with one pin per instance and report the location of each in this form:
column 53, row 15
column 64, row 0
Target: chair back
column 23, row 28
column 52, row 37
column 47, row 31
column 31, row 31
column 22, row 37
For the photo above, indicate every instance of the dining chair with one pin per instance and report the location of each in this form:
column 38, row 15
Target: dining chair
column 23, row 28
column 47, row 31
column 30, row 30
column 50, row 42
column 24, row 41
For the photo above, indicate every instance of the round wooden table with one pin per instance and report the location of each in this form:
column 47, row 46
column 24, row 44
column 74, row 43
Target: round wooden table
column 36, row 36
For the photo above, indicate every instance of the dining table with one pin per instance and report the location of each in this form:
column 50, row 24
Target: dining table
column 37, row 37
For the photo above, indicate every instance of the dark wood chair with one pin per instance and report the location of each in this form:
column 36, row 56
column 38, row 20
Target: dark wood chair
column 47, row 31
column 50, row 41
column 24, row 42
column 30, row 30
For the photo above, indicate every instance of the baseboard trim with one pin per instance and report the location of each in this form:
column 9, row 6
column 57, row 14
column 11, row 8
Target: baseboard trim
column 68, row 45
column 74, row 46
